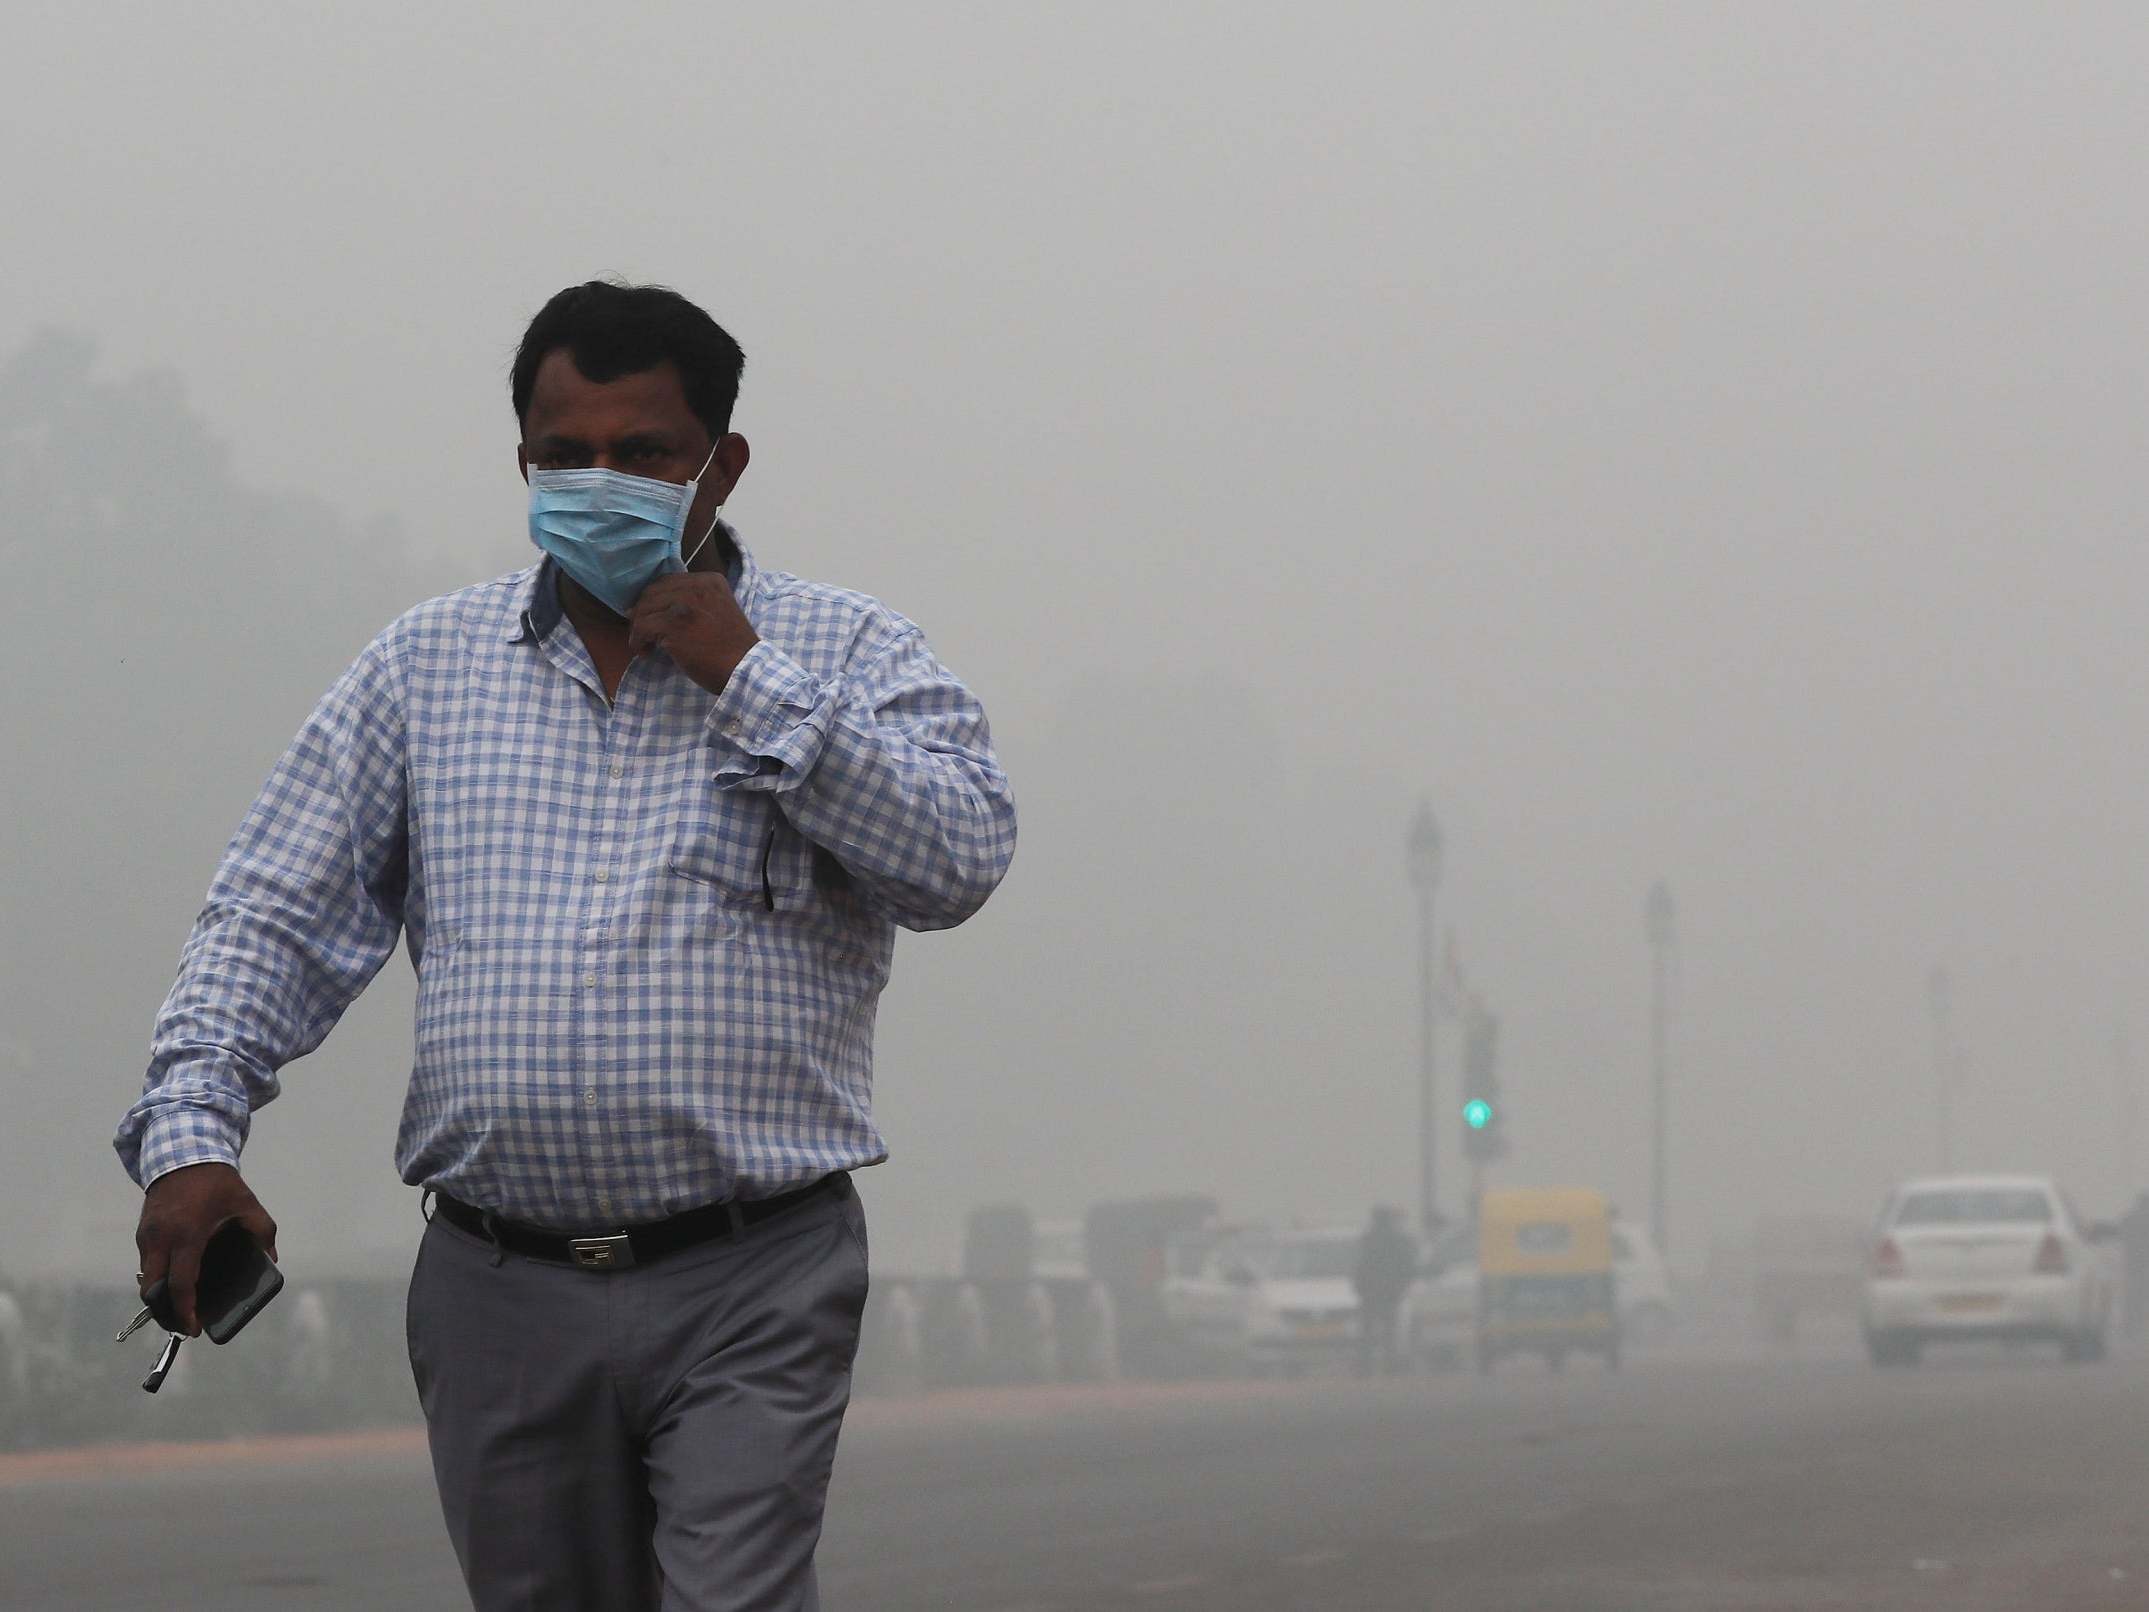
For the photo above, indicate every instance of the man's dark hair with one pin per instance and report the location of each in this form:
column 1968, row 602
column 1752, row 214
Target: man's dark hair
column 612, row 330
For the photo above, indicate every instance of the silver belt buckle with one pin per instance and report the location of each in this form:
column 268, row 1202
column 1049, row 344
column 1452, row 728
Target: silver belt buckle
column 613, row 1253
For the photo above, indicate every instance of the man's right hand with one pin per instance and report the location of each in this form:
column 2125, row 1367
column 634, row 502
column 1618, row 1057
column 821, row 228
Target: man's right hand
column 180, row 1213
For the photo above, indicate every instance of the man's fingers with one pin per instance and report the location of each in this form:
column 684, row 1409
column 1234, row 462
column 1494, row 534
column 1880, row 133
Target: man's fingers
column 155, row 1260
column 650, row 603
column 648, row 629
column 262, row 1229
column 153, row 1244
column 184, row 1273
column 684, row 586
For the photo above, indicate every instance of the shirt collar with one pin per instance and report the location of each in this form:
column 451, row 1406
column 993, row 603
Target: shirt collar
column 745, row 573
column 537, row 596
column 537, row 603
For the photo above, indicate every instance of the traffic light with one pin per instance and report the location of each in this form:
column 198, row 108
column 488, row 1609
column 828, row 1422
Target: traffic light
column 1482, row 1115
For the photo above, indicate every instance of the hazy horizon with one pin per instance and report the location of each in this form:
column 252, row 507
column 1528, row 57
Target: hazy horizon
column 1685, row 442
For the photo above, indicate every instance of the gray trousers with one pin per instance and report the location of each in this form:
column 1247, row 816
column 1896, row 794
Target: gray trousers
column 658, row 1437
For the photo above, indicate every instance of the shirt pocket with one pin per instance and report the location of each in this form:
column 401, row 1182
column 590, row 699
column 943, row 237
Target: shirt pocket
column 729, row 841
column 741, row 848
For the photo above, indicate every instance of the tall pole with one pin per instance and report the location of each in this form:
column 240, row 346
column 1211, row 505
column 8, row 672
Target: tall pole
column 1428, row 1160
column 1940, row 997
column 1659, row 921
column 1475, row 1018
column 1422, row 857
column 2130, row 1109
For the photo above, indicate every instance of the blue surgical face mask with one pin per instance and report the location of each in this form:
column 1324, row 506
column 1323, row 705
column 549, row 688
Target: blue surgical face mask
column 612, row 532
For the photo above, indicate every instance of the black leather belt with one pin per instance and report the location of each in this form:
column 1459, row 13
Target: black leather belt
column 631, row 1245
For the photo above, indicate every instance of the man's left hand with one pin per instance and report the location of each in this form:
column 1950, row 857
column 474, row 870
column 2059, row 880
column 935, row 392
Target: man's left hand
column 693, row 618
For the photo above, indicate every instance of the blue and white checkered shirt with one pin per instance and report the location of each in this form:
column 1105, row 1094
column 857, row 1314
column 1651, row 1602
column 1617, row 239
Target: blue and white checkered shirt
column 650, row 934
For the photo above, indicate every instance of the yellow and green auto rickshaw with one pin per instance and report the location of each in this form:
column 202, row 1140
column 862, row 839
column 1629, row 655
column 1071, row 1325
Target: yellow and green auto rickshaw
column 1545, row 1276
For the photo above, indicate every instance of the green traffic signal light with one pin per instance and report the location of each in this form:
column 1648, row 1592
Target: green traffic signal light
column 1477, row 1113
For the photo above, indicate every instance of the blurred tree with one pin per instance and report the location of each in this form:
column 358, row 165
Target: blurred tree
column 172, row 627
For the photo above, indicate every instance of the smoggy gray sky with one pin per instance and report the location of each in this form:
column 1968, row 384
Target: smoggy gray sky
column 1700, row 440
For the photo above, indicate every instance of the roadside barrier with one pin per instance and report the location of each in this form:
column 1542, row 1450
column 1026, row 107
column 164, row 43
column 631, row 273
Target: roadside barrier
column 331, row 1355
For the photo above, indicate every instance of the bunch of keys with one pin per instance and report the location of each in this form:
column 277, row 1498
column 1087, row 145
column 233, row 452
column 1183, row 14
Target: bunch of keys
column 235, row 1281
column 165, row 1359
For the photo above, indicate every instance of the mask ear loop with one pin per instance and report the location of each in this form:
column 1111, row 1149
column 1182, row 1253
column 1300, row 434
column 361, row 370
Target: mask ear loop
column 688, row 562
column 704, row 543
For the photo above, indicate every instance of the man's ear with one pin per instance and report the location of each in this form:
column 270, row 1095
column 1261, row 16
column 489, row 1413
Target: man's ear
column 732, row 455
column 522, row 463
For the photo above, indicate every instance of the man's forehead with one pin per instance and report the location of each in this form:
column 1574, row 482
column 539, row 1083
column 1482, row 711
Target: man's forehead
column 564, row 401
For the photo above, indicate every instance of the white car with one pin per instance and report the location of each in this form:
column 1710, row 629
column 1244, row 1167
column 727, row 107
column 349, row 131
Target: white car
column 1440, row 1310
column 1643, row 1283
column 1985, row 1257
column 1279, row 1302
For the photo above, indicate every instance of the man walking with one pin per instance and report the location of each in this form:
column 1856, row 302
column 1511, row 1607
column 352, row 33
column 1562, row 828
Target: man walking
column 647, row 817
column 1387, row 1264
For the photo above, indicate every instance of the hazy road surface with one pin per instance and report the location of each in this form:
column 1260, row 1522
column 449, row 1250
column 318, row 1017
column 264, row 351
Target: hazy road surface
column 1989, row 1483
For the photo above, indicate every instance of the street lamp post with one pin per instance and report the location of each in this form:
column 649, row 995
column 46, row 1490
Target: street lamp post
column 1659, row 924
column 1940, row 998
column 2130, row 1107
column 1422, row 857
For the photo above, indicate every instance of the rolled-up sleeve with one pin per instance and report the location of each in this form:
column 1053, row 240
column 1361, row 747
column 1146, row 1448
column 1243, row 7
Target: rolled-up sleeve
column 888, row 767
column 305, row 907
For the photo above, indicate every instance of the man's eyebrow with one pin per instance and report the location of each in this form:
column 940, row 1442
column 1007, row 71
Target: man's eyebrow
column 555, row 439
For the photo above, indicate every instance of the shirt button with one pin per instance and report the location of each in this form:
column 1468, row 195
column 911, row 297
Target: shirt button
column 602, row 875
column 618, row 771
column 590, row 980
column 589, row 1096
column 604, row 1203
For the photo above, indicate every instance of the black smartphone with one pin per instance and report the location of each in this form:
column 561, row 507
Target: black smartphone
column 237, row 1281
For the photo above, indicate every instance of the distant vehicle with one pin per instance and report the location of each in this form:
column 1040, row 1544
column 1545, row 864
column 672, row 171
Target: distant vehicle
column 1205, row 1291
column 1642, row 1285
column 1131, row 1245
column 1986, row 1257
column 1271, row 1302
column 1441, row 1310
column 1058, row 1252
column 1546, row 1288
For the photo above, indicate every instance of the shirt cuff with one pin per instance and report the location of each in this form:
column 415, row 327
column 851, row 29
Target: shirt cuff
column 771, row 720
column 183, row 1136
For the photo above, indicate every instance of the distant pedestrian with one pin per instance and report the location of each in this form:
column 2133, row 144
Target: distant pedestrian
column 1387, row 1265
